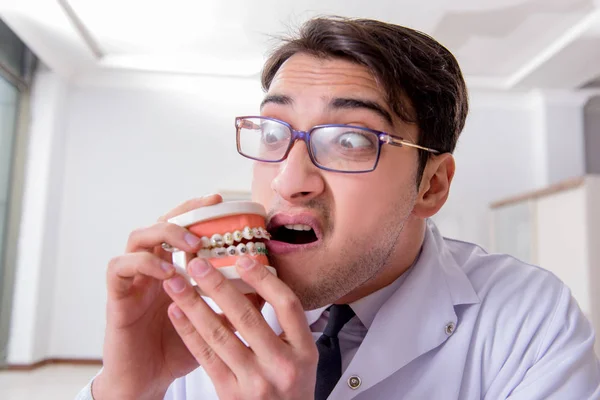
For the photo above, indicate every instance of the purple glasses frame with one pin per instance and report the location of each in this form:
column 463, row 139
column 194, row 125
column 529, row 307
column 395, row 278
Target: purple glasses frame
column 383, row 138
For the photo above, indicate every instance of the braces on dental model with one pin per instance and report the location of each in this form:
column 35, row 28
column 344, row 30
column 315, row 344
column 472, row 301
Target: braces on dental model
column 247, row 233
column 241, row 249
column 214, row 246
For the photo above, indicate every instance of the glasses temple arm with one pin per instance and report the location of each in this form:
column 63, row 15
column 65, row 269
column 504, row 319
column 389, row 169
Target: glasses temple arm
column 389, row 139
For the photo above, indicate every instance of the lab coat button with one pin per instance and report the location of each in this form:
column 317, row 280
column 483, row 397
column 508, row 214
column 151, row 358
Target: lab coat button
column 450, row 328
column 354, row 382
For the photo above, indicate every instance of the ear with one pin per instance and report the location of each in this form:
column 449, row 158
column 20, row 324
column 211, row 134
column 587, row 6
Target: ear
column 435, row 185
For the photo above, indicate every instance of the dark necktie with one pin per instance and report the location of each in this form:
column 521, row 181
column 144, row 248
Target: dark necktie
column 329, row 369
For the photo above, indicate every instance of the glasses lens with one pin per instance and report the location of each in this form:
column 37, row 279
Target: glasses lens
column 263, row 139
column 349, row 149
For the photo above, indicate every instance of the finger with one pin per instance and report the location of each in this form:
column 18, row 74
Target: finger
column 181, row 209
column 286, row 304
column 192, row 204
column 209, row 325
column 254, row 299
column 145, row 239
column 240, row 311
column 216, row 369
column 257, row 301
column 121, row 270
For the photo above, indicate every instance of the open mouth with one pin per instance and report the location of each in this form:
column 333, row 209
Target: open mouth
column 294, row 234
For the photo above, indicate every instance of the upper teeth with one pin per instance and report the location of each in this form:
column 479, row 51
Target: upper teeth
column 298, row 227
column 228, row 238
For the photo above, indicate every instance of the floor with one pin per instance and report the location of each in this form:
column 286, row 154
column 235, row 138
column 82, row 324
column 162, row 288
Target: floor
column 51, row 382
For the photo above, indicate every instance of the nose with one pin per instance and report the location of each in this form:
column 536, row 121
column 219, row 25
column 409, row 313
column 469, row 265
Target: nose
column 298, row 179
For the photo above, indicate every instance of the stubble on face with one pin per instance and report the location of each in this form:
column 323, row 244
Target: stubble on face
column 345, row 260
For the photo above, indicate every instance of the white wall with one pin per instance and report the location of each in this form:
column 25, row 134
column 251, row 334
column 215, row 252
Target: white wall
column 36, row 253
column 494, row 159
column 132, row 153
column 135, row 145
column 562, row 240
column 513, row 143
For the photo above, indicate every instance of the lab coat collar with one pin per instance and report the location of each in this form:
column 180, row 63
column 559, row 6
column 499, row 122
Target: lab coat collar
column 414, row 320
column 417, row 318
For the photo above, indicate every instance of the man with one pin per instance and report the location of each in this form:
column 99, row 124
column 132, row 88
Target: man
column 353, row 141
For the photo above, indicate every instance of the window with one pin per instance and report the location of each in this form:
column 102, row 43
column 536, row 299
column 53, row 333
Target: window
column 16, row 66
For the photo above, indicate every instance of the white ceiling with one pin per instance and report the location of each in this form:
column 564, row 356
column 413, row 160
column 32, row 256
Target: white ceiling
column 500, row 44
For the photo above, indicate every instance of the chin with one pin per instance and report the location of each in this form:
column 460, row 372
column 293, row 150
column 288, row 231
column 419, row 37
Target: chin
column 289, row 268
column 312, row 287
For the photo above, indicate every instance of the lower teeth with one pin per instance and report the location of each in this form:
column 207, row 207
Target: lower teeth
column 239, row 250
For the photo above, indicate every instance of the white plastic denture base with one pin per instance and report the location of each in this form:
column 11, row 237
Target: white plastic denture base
column 219, row 210
column 181, row 259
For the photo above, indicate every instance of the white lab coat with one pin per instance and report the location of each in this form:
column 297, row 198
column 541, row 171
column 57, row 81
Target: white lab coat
column 464, row 325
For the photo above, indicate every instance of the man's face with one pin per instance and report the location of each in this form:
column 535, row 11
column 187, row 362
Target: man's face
column 358, row 218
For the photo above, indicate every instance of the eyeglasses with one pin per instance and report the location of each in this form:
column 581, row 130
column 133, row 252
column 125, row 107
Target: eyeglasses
column 332, row 147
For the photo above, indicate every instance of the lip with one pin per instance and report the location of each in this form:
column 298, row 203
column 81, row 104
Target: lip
column 277, row 247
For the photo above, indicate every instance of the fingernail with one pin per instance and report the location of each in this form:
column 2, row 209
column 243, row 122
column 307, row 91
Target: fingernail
column 177, row 284
column 165, row 266
column 246, row 262
column 192, row 240
column 176, row 311
column 199, row 267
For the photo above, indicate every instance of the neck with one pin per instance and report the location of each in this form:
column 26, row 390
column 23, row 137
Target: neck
column 403, row 256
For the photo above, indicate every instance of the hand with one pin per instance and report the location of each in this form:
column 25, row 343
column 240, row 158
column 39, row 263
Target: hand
column 272, row 367
column 143, row 353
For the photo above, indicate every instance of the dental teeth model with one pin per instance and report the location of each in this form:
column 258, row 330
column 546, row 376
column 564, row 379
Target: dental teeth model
column 229, row 239
column 227, row 230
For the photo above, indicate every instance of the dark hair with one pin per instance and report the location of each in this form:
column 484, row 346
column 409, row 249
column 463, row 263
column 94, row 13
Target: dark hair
column 422, row 79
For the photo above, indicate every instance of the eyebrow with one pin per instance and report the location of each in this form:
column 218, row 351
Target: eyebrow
column 343, row 103
column 277, row 99
column 336, row 103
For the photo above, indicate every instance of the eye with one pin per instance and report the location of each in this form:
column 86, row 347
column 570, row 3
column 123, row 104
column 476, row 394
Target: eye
column 272, row 137
column 354, row 140
column 274, row 134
